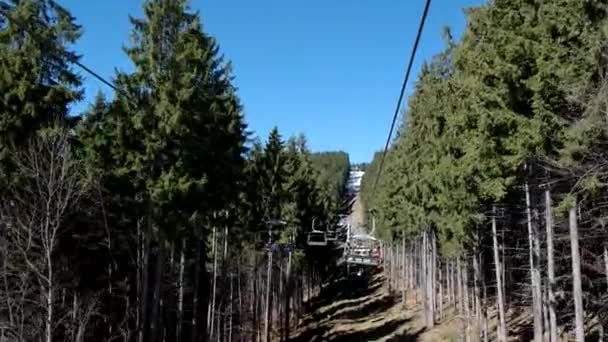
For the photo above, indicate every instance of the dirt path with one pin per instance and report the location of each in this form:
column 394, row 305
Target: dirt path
column 357, row 216
column 352, row 310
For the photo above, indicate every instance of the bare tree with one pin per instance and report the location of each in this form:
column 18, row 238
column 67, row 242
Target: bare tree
column 577, row 291
column 50, row 185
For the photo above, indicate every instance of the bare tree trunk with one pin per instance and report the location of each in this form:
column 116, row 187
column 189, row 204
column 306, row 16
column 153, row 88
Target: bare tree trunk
column 433, row 275
column 9, row 305
column 460, row 289
column 268, row 287
column 504, row 269
column 441, row 291
column 195, row 296
column 550, row 268
column 576, row 276
column 502, row 326
column 389, row 267
column 606, row 262
column 211, row 310
column 448, row 280
column 412, row 266
column 534, row 271
column 231, row 310
column 139, row 277
column 417, row 259
column 145, row 272
column 49, row 297
column 288, row 290
column 403, row 272
column 225, row 275
column 467, row 307
column 484, row 305
column 180, row 289
column 254, row 286
column 425, row 280
column 280, row 302
column 156, row 301
column 476, row 291
column 546, row 323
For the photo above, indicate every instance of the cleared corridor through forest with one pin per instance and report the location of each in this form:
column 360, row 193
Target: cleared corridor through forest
column 353, row 309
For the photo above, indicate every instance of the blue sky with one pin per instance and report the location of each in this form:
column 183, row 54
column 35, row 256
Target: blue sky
column 330, row 69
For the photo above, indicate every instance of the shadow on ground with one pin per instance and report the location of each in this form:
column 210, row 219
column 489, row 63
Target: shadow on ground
column 374, row 333
column 354, row 309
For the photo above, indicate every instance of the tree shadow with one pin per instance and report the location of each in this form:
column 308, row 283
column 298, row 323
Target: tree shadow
column 360, row 296
column 343, row 289
column 407, row 336
column 375, row 333
column 369, row 309
column 309, row 335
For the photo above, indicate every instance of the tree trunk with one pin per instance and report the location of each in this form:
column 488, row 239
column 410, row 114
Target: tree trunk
column 534, row 271
column 576, row 276
column 268, row 287
column 211, row 310
column 448, row 281
column 460, row 289
column 440, row 291
column 467, row 307
column 231, row 314
column 484, row 305
column 460, row 296
column 425, row 280
column 606, row 263
column 477, row 293
column 255, row 300
column 195, row 290
column 550, row 268
column 145, row 271
column 433, row 275
column 156, row 296
column 412, row 266
column 403, row 272
column 288, row 289
column 49, row 298
column 281, row 299
column 502, row 326
column 180, row 289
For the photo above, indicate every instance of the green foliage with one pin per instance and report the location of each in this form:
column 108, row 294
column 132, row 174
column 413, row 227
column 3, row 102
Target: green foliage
column 37, row 82
column 485, row 109
column 286, row 181
column 332, row 169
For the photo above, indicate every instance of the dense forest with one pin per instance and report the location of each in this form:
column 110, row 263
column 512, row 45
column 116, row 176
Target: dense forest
column 156, row 215
column 333, row 168
column 493, row 192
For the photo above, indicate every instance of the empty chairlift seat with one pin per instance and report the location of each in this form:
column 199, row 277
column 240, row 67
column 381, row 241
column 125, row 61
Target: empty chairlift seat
column 331, row 235
column 317, row 238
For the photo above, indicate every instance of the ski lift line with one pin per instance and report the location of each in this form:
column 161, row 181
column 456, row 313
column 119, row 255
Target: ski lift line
column 96, row 75
column 401, row 94
column 80, row 65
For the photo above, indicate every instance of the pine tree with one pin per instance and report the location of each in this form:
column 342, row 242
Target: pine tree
column 37, row 82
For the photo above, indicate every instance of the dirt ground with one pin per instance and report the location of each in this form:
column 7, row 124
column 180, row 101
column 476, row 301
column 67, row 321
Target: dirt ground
column 357, row 310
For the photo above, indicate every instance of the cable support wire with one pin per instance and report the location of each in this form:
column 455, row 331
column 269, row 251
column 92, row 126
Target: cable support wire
column 401, row 94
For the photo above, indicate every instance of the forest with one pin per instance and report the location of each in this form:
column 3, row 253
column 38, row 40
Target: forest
column 155, row 215
column 492, row 196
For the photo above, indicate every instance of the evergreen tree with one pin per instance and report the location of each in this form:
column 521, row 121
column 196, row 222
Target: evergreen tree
column 37, row 80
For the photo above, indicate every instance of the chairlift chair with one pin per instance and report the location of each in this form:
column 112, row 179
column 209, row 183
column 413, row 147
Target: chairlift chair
column 317, row 238
column 331, row 234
